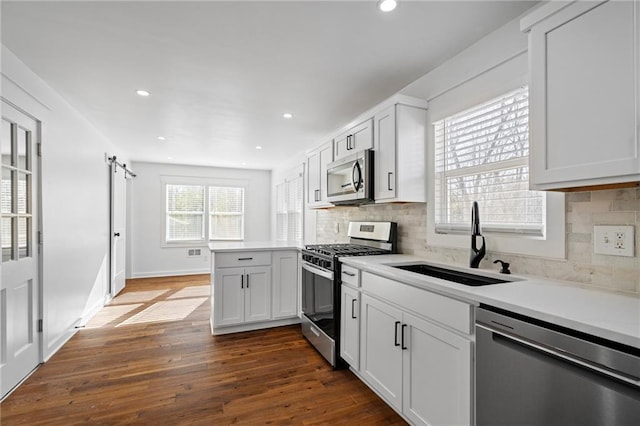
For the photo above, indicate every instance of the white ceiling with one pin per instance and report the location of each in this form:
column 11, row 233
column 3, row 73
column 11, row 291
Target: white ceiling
column 222, row 73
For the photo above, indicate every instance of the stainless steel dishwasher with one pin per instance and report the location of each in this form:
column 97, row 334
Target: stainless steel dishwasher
column 529, row 372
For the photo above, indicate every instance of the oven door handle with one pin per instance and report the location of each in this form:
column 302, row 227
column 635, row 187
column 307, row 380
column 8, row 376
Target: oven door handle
column 317, row 271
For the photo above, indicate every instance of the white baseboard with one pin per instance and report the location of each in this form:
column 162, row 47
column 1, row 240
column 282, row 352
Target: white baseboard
column 53, row 347
column 93, row 310
column 155, row 274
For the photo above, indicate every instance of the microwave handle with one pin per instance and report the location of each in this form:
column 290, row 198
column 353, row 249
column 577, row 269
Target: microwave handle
column 357, row 183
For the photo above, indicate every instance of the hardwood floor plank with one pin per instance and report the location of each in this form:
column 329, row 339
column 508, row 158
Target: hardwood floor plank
column 166, row 371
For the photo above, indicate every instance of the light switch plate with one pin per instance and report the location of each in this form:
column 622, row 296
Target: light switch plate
column 618, row 240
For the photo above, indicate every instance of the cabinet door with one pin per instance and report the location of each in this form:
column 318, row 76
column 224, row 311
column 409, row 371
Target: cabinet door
column 341, row 145
column 313, row 178
column 350, row 327
column 285, row 284
column 385, row 157
column 228, row 296
column 583, row 92
column 326, row 157
column 257, row 294
column 436, row 374
column 362, row 136
column 381, row 351
column 317, row 176
column 356, row 139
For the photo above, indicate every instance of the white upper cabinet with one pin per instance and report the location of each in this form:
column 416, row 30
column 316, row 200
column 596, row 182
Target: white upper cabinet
column 399, row 143
column 355, row 139
column 584, row 94
column 317, row 162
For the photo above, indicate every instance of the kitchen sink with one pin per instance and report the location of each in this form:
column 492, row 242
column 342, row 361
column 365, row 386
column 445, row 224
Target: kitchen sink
column 450, row 275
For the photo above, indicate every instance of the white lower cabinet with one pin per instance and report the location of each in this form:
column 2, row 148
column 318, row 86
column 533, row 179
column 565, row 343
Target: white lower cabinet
column 420, row 368
column 436, row 374
column 382, row 349
column 350, row 333
column 243, row 295
column 285, row 284
column 253, row 289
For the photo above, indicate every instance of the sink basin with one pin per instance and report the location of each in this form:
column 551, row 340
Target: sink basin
column 450, row 275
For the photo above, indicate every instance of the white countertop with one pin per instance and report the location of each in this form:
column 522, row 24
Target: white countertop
column 607, row 314
column 253, row 246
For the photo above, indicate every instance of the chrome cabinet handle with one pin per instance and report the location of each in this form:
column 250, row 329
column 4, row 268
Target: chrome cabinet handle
column 389, row 181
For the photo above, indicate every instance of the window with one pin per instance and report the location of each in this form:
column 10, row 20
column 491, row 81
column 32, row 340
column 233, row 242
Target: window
column 482, row 154
column 226, row 213
column 188, row 206
column 289, row 205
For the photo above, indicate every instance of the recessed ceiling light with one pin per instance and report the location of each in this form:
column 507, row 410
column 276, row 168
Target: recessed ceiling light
column 387, row 5
column 161, row 138
column 169, row 158
column 141, row 92
column 287, row 115
column 258, row 147
column 244, row 164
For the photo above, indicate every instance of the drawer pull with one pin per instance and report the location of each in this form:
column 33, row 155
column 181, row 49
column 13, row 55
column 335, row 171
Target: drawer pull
column 351, row 274
column 245, row 258
column 314, row 331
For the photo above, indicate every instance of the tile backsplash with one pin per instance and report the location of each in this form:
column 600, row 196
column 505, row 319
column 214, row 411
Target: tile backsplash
column 583, row 211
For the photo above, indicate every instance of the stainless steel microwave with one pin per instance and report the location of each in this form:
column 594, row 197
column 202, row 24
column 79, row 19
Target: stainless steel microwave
column 350, row 179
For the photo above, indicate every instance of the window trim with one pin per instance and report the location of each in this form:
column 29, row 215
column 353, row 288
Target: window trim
column 486, row 86
column 199, row 181
column 467, row 117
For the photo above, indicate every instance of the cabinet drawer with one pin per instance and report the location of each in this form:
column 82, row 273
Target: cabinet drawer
column 452, row 313
column 350, row 275
column 242, row 258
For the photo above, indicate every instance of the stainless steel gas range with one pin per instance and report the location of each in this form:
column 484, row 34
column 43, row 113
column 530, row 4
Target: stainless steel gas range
column 321, row 282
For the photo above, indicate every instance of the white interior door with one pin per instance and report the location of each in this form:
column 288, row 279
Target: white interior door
column 20, row 340
column 118, row 228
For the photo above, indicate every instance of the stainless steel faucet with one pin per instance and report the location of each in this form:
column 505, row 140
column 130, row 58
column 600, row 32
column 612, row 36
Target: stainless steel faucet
column 477, row 253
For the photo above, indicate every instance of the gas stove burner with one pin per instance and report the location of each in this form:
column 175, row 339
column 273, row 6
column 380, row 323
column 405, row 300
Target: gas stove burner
column 345, row 250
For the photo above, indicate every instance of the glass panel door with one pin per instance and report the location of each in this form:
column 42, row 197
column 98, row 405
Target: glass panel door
column 16, row 192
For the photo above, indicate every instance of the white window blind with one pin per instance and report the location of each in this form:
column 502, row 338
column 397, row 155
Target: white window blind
column 184, row 212
column 289, row 205
column 226, row 213
column 281, row 212
column 482, row 155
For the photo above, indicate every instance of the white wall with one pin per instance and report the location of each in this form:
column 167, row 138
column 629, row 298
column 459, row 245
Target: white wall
column 148, row 257
column 75, row 203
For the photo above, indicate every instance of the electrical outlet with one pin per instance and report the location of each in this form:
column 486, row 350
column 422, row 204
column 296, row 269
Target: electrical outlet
column 613, row 240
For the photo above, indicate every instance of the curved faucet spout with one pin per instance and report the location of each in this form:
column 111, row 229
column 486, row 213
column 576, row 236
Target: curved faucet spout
column 477, row 250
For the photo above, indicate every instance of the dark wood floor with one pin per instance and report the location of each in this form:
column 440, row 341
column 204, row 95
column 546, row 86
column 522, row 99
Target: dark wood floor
column 149, row 358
